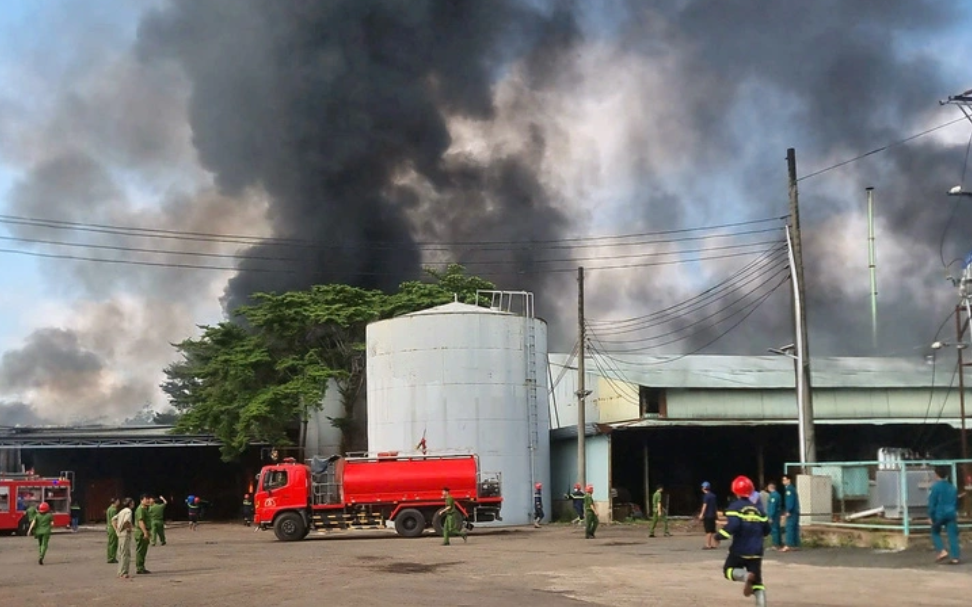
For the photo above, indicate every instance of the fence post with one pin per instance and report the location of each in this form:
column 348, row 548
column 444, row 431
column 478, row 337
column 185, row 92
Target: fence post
column 903, row 498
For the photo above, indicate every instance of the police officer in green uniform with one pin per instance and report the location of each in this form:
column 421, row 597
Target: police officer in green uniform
column 142, row 535
column 156, row 514
column 658, row 512
column 450, row 518
column 590, row 514
column 31, row 512
column 41, row 527
column 110, row 530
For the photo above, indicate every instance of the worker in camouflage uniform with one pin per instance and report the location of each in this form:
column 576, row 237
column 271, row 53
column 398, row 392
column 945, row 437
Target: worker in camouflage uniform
column 590, row 514
column 450, row 519
column 110, row 530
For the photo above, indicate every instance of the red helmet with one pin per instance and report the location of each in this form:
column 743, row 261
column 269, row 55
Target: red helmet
column 538, row 486
column 577, row 485
column 43, row 507
column 195, row 500
column 742, row 486
column 246, row 496
column 590, row 488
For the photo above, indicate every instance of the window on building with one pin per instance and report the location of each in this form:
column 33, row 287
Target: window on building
column 652, row 402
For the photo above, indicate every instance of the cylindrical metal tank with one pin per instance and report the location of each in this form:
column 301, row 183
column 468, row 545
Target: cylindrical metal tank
column 395, row 480
column 467, row 379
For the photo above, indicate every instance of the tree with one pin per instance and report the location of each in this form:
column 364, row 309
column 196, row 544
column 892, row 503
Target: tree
column 251, row 381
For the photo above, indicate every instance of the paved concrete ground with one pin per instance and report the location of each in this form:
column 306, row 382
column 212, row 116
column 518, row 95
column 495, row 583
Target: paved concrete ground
column 553, row 566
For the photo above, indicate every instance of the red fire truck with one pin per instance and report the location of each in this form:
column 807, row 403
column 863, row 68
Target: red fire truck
column 364, row 491
column 19, row 491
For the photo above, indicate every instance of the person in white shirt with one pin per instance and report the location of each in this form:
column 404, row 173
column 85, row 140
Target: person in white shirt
column 122, row 523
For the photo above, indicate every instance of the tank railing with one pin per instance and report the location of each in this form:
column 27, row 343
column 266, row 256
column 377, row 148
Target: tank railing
column 325, row 487
column 490, row 484
column 399, row 455
column 502, row 301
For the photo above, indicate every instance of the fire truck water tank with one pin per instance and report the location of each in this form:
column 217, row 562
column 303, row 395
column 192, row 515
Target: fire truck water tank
column 467, row 379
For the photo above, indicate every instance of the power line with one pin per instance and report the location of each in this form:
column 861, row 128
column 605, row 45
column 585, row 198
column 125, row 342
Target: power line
column 698, row 322
column 693, row 305
column 133, row 262
column 757, row 303
column 142, row 232
column 931, row 392
column 881, row 149
column 745, row 270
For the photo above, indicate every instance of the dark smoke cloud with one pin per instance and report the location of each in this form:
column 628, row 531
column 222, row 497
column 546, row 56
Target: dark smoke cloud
column 21, row 414
column 338, row 109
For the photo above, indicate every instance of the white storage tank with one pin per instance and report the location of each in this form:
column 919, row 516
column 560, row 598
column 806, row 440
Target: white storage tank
column 470, row 379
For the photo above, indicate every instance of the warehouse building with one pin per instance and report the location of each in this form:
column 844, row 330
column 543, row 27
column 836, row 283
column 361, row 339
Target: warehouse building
column 682, row 421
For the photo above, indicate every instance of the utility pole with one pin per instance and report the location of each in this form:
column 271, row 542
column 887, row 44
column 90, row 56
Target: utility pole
column 960, row 327
column 803, row 353
column 581, row 388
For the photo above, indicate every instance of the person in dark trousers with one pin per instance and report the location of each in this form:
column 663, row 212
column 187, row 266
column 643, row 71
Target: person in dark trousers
column 247, row 510
column 659, row 512
column 142, row 524
column 943, row 514
column 451, row 525
column 747, row 525
column 791, row 515
column 708, row 516
column 576, row 497
column 110, row 530
column 537, row 504
column 774, row 512
column 193, row 505
column 41, row 528
column 75, row 516
column 590, row 514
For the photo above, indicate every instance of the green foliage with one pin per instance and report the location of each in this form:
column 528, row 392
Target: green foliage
column 252, row 381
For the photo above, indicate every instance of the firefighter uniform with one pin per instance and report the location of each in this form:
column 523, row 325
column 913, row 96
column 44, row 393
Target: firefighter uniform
column 112, row 536
column 43, row 526
column 746, row 525
column 590, row 515
column 156, row 515
column 791, row 506
column 247, row 510
column 576, row 497
column 450, row 521
column 774, row 510
column 141, row 538
column 537, row 506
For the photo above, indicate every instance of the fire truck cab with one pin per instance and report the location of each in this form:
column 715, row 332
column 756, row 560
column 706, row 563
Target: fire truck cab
column 19, row 491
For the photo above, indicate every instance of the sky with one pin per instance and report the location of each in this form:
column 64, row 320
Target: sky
column 544, row 121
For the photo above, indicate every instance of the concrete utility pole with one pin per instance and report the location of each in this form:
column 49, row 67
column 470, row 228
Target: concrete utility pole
column 800, row 310
column 960, row 327
column 581, row 388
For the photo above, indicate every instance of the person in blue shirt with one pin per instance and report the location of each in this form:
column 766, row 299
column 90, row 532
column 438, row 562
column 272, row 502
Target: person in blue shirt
column 747, row 525
column 774, row 511
column 791, row 515
column 943, row 513
column 708, row 516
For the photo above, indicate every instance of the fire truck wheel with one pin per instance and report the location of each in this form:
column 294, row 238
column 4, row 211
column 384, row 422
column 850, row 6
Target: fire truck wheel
column 438, row 521
column 409, row 523
column 289, row 527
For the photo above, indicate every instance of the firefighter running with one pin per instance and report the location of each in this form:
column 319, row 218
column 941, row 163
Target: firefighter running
column 537, row 504
column 41, row 528
column 747, row 525
column 576, row 497
column 450, row 519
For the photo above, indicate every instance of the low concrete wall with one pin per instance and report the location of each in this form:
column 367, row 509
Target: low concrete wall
column 823, row 536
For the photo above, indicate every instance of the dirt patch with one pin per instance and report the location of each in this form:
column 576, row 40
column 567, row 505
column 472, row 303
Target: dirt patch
column 409, row 568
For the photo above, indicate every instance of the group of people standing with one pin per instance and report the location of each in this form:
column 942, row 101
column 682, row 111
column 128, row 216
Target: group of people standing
column 782, row 513
column 127, row 524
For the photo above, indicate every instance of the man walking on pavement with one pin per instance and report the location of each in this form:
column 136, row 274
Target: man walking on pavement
column 142, row 523
column 450, row 517
column 658, row 511
column 122, row 524
column 110, row 530
column 791, row 515
column 708, row 516
column 774, row 510
column 41, row 527
column 943, row 514
column 590, row 514
column 157, row 521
